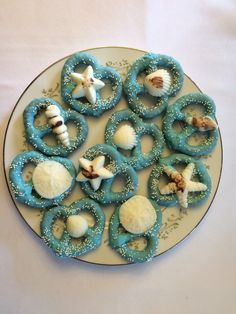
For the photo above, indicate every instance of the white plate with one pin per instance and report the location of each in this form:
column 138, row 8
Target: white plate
column 176, row 223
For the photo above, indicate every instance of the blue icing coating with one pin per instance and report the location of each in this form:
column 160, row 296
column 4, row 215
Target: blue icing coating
column 64, row 247
column 138, row 159
column 24, row 190
column 119, row 239
column 149, row 63
column 194, row 198
column 179, row 140
column 35, row 134
column 118, row 167
column 101, row 73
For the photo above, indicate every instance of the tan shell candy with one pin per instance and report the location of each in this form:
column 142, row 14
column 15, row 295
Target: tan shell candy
column 137, row 215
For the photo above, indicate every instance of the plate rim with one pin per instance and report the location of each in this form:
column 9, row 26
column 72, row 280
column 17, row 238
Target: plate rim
column 9, row 189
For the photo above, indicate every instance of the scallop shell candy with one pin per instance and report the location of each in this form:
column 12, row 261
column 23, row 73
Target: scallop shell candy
column 158, row 83
column 125, row 137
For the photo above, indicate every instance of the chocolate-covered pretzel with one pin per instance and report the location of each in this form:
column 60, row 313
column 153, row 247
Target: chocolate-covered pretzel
column 24, row 191
column 163, row 79
column 64, row 246
column 77, row 86
column 57, row 117
column 96, row 178
column 130, row 138
column 188, row 187
column 204, row 124
column 120, row 239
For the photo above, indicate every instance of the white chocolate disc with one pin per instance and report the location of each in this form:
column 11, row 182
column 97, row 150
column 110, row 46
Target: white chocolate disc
column 76, row 226
column 137, row 215
column 51, row 179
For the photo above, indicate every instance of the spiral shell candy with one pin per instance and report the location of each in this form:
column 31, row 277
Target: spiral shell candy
column 158, row 82
column 125, row 137
column 56, row 121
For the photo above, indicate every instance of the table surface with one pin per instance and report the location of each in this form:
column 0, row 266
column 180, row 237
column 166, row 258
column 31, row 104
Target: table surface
column 197, row 276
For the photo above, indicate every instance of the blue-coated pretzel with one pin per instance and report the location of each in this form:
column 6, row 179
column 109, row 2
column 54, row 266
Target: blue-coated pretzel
column 200, row 173
column 119, row 239
column 179, row 140
column 64, row 247
column 35, row 135
column 100, row 72
column 116, row 165
column 149, row 63
column 24, row 190
column 137, row 159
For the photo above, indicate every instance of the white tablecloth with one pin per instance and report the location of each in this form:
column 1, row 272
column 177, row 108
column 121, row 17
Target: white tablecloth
column 199, row 275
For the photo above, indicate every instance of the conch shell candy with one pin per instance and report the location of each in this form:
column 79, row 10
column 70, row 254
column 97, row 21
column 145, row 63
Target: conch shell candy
column 158, row 82
column 125, row 137
column 203, row 123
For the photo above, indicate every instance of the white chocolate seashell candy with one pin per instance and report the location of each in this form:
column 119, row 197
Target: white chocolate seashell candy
column 93, row 171
column 56, row 122
column 50, row 179
column 158, row 82
column 137, row 215
column 202, row 123
column 125, row 137
column 76, row 226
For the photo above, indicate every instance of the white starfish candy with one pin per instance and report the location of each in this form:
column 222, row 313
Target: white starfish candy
column 87, row 85
column 181, row 184
column 93, row 171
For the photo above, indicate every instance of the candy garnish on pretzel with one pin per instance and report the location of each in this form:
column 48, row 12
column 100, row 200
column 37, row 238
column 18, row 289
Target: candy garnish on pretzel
column 202, row 123
column 137, row 218
column 56, row 121
column 181, row 184
column 87, row 85
column 158, row 83
column 93, row 171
